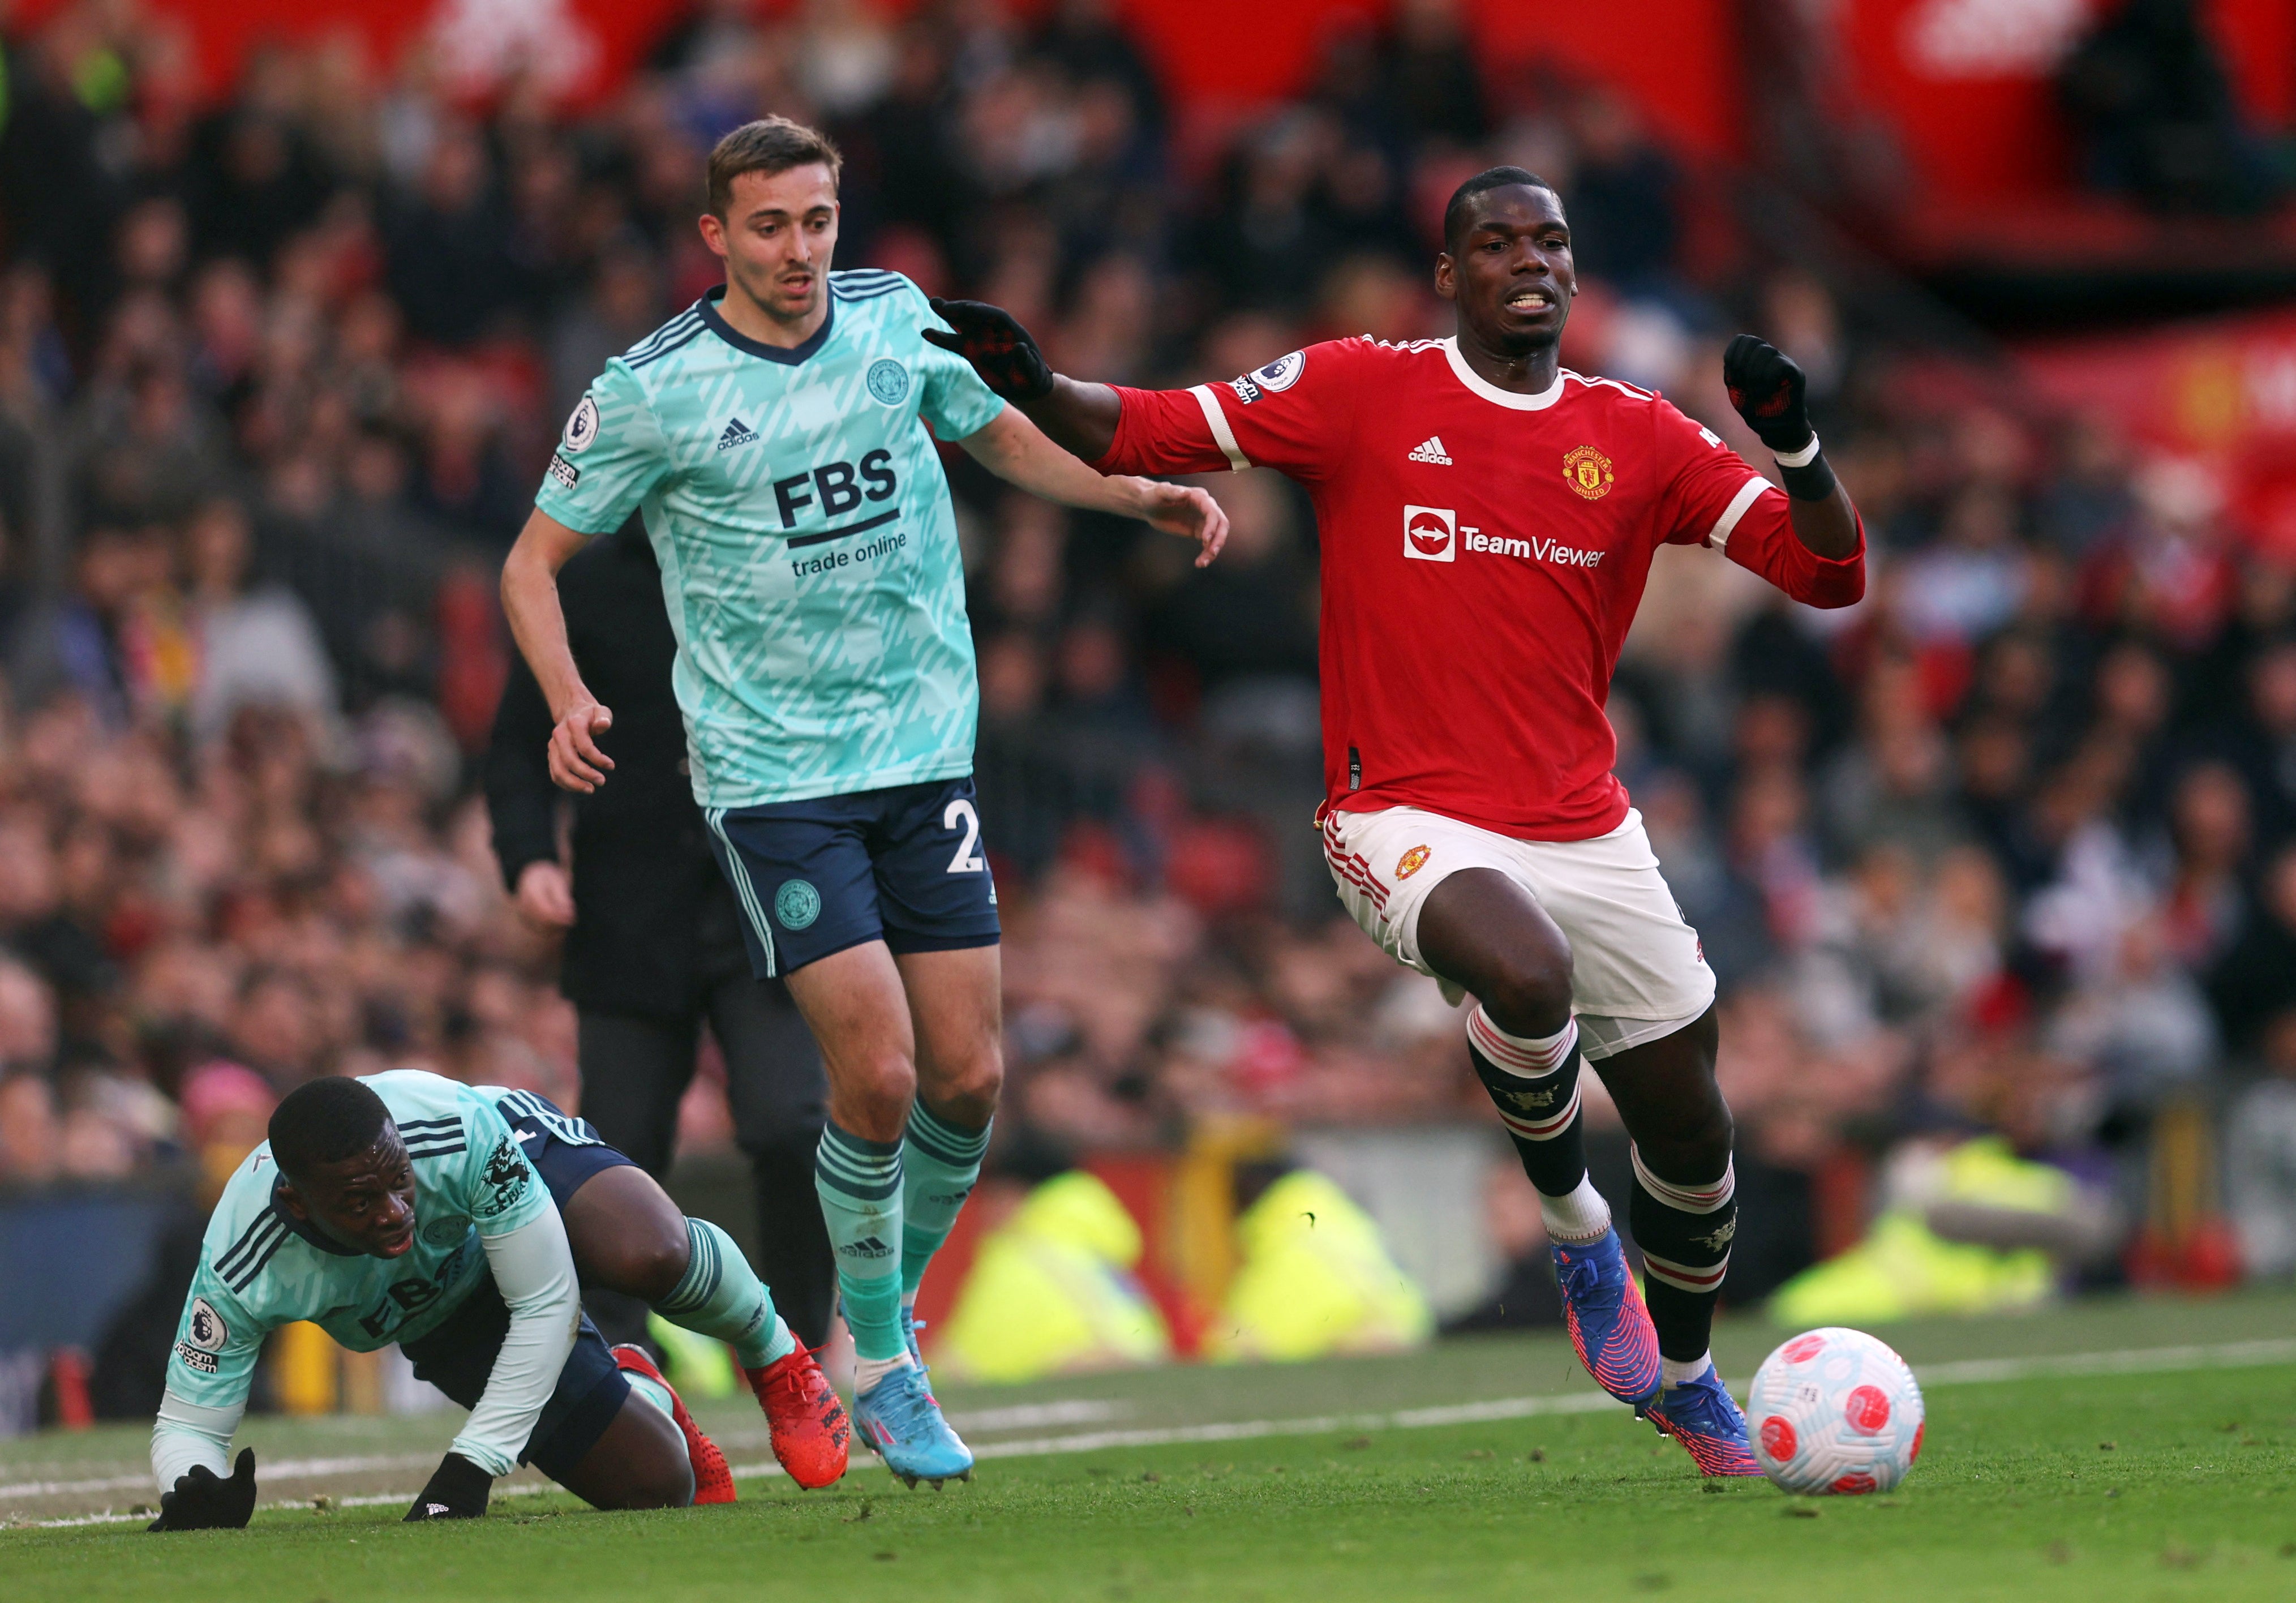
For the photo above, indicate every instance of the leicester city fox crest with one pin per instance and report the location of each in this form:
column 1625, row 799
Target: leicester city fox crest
column 506, row 1179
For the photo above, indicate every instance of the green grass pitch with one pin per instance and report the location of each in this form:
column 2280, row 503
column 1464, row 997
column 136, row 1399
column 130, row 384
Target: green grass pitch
column 2126, row 1450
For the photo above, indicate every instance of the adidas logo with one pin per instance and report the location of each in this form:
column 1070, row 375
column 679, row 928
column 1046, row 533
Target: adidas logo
column 737, row 432
column 1429, row 449
column 868, row 1246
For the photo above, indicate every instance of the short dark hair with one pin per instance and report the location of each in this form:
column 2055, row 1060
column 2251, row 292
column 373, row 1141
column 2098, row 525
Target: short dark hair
column 324, row 1121
column 771, row 144
column 1455, row 211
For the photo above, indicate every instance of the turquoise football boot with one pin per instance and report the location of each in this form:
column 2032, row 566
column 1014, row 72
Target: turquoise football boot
column 902, row 1424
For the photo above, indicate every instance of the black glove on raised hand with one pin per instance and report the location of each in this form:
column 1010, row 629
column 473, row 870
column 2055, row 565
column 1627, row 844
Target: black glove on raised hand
column 204, row 1501
column 1767, row 387
column 458, row 1490
column 999, row 348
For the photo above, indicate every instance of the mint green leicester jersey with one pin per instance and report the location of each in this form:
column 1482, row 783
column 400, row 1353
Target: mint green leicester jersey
column 261, row 1268
column 807, row 541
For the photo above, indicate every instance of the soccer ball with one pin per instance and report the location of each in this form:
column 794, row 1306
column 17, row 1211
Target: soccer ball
column 1835, row 1410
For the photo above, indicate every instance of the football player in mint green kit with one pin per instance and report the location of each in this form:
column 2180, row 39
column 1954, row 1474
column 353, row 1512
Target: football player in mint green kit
column 455, row 1220
column 402, row 1208
column 779, row 438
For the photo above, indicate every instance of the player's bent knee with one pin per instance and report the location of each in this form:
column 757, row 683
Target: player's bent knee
column 970, row 1094
column 1531, row 993
column 884, row 1087
column 653, row 1267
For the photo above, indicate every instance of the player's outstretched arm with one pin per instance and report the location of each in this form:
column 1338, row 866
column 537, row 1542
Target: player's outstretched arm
column 1018, row 452
column 1767, row 387
column 534, row 1270
column 1079, row 418
column 204, row 1501
column 530, row 595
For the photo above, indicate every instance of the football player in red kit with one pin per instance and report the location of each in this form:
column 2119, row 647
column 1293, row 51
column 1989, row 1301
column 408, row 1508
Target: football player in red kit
column 1487, row 519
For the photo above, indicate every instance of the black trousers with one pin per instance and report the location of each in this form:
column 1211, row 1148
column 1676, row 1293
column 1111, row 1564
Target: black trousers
column 635, row 1069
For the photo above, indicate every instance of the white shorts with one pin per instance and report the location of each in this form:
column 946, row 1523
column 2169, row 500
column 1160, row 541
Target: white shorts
column 1638, row 972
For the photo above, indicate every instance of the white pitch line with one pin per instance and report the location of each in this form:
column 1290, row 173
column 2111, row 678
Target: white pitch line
column 2225, row 1355
column 286, row 1469
column 1066, row 1412
column 2136, row 1360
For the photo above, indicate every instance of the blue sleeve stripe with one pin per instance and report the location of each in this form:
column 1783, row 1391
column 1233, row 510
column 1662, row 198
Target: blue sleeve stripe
column 866, row 292
column 680, row 343
column 675, row 326
column 660, row 337
column 248, row 1241
column 436, row 1152
column 531, row 1105
column 406, row 1124
column 243, row 1276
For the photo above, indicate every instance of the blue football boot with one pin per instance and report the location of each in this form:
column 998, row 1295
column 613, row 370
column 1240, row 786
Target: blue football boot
column 901, row 1423
column 1701, row 1416
column 1609, row 1324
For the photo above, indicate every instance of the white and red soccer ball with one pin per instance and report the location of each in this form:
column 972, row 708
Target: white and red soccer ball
column 1835, row 1410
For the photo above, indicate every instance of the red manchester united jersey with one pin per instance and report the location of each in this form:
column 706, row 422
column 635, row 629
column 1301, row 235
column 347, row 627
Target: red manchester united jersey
column 1483, row 553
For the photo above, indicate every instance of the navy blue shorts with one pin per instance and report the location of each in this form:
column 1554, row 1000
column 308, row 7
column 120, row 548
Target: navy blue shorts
column 458, row 1357
column 564, row 1150
column 902, row 866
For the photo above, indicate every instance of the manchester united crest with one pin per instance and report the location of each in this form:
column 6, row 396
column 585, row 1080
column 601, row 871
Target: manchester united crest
column 1587, row 471
column 1410, row 862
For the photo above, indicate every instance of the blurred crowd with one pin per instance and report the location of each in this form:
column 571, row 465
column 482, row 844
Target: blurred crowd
column 2011, row 847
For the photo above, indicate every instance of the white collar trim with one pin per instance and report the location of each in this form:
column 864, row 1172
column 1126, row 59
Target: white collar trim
column 1491, row 392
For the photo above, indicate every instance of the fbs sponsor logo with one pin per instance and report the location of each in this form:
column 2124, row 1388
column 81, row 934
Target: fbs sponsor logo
column 1430, row 450
column 1431, row 534
column 868, row 1246
column 737, row 433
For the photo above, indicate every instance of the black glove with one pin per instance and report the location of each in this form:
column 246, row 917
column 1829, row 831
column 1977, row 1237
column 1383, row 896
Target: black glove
column 458, row 1490
column 999, row 348
column 1767, row 387
column 204, row 1501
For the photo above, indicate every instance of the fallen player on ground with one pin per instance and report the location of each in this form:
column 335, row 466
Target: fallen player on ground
column 459, row 1221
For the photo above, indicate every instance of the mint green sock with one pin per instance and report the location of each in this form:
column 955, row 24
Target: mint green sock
column 720, row 1295
column 653, row 1392
column 859, row 1182
column 940, row 1164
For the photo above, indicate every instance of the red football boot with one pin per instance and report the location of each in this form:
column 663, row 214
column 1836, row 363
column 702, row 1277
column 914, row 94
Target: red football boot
column 810, row 1429
column 713, row 1478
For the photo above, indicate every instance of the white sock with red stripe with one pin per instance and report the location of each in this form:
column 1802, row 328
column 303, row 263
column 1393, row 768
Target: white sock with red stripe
column 1684, row 1230
column 1533, row 1081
